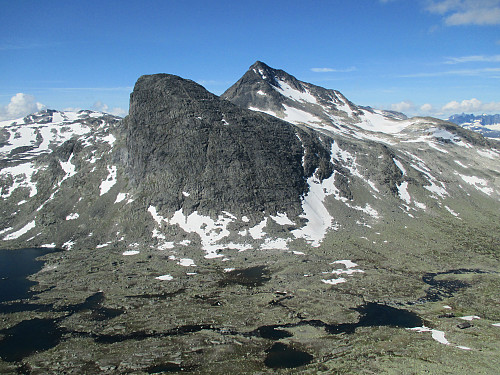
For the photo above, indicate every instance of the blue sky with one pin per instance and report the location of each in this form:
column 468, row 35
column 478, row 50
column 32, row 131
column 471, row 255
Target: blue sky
column 423, row 57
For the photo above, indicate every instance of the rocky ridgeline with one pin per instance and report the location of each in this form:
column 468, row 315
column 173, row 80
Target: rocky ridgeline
column 261, row 88
column 187, row 165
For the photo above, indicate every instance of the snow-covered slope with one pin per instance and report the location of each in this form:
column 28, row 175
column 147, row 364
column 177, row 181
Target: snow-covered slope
column 42, row 132
column 42, row 156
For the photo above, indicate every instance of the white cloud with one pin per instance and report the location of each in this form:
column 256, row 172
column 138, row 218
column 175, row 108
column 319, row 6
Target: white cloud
column 443, row 6
column 427, row 108
column 461, row 72
column 20, row 105
column 471, row 105
column 322, row 70
column 326, row 70
column 475, row 17
column 402, row 106
column 466, row 12
column 102, row 107
column 474, row 58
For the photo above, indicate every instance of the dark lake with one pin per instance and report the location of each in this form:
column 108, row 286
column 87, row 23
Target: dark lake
column 15, row 266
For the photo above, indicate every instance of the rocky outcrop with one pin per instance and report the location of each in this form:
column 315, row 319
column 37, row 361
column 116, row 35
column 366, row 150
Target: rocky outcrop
column 188, row 148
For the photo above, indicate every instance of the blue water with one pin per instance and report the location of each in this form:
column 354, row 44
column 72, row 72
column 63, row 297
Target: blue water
column 15, row 266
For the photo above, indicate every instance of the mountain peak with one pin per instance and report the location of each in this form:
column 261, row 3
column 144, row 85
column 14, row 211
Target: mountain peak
column 274, row 91
column 181, row 138
column 269, row 74
column 259, row 65
column 171, row 85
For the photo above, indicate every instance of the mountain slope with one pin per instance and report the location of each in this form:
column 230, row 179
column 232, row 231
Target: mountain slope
column 415, row 148
column 200, row 235
column 221, row 156
column 186, row 158
column 276, row 92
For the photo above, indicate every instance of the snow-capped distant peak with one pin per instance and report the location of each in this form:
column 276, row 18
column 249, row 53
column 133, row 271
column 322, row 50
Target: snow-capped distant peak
column 40, row 132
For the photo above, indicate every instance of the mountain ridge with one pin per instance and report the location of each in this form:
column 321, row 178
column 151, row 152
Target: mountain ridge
column 199, row 235
column 183, row 152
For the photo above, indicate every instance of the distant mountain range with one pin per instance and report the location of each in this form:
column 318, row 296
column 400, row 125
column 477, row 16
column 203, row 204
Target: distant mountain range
column 487, row 125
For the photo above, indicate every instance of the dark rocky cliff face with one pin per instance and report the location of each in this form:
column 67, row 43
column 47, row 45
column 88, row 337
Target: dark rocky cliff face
column 189, row 148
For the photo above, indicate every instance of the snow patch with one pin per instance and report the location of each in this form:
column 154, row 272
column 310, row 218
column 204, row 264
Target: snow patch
column 110, row 138
column 68, row 168
column 400, row 166
column 21, row 175
column 164, row 277
column 166, row 245
column 121, row 197
column 490, row 154
column 282, row 219
column 349, row 271
column 20, row 232
column 334, row 281
column 461, row 164
column 297, row 116
column 438, row 336
column 156, row 217
column 131, row 252
column 185, row 262
column 451, row 211
column 68, row 245
column 469, row 317
column 110, row 181
column 479, row 183
column 347, row 263
column 376, row 122
column 257, row 231
column 73, row 216
column 210, row 231
column 403, row 192
column 275, row 243
column 269, row 112
column 100, row 246
column 318, row 217
column 286, row 90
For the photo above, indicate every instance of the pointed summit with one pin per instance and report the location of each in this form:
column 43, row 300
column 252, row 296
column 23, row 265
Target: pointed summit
column 280, row 94
column 273, row 76
column 260, row 89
